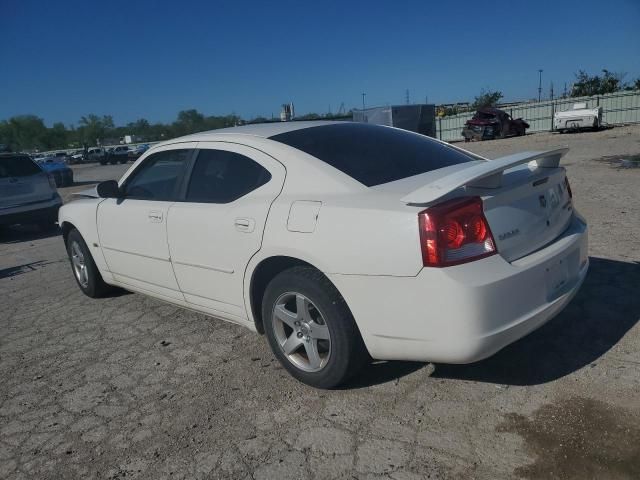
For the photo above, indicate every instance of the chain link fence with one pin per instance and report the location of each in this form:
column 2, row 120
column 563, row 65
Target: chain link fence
column 617, row 108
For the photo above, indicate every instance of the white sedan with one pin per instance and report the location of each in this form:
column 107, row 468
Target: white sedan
column 341, row 241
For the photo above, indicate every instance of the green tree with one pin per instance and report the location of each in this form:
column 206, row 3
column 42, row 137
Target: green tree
column 93, row 129
column 487, row 98
column 587, row 85
column 23, row 132
column 56, row 137
column 188, row 121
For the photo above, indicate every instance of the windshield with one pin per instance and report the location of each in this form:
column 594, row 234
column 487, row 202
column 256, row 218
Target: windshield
column 17, row 166
column 372, row 154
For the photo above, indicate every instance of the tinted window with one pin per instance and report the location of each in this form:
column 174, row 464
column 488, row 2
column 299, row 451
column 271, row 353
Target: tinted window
column 222, row 177
column 372, row 154
column 17, row 166
column 157, row 177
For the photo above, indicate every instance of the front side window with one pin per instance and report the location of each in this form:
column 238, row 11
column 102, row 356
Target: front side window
column 221, row 177
column 157, row 178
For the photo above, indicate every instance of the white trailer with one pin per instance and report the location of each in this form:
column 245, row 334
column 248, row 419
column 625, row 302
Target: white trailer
column 577, row 118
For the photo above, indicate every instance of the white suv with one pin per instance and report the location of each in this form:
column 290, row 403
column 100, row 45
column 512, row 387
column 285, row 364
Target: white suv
column 27, row 193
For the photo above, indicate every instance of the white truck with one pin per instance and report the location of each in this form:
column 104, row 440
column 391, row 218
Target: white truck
column 577, row 118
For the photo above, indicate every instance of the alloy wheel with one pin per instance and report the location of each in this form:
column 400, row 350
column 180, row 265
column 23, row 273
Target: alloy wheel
column 79, row 265
column 301, row 332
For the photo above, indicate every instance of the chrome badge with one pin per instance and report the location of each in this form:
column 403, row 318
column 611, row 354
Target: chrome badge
column 509, row 234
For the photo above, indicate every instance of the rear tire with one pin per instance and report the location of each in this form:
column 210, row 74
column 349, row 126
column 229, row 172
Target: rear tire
column 325, row 348
column 84, row 268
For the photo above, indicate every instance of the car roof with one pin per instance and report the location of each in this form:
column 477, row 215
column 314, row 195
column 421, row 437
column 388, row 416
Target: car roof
column 261, row 130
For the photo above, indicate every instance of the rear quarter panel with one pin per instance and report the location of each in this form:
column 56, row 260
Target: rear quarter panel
column 364, row 234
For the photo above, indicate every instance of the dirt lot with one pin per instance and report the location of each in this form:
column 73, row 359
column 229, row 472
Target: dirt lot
column 128, row 387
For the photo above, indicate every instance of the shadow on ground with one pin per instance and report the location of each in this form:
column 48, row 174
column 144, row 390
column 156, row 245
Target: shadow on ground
column 606, row 307
column 380, row 372
column 603, row 311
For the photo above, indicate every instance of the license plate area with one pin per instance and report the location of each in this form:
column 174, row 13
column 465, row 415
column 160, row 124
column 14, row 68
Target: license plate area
column 557, row 277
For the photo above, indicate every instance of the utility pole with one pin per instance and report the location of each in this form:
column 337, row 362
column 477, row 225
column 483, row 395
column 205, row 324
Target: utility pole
column 540, row 85
column 407, row 96
column 363, row 95
column 551, row 91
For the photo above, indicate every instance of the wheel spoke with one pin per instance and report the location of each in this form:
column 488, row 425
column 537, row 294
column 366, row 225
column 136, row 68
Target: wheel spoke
column 291, row 344
column 302, row 306
column 320, row 332
column 285, row 315
column 312, row 353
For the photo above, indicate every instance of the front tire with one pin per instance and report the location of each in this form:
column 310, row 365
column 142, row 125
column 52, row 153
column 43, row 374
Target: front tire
column 310, row 328
column 84, row 268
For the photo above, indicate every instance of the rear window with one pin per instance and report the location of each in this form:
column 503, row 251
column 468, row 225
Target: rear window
column 372, row 154
column 17, row 166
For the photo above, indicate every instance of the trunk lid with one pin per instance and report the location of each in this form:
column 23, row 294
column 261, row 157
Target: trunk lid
column 529, row 211
column 526, row 201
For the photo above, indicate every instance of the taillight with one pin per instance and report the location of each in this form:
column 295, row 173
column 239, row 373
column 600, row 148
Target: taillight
column 455, row 232
column 566, row 184
column 52, row 181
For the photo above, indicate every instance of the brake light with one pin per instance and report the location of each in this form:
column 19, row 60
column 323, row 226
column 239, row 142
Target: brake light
column 455, row 232
column 566, row 184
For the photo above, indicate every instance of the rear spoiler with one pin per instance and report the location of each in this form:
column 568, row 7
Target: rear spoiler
column 482, row 174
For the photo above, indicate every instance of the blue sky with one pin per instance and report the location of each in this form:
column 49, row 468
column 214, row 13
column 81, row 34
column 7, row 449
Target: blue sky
column 132, row 59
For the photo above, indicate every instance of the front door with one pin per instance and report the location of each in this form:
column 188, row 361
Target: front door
column 217, row 227
column 133, row 229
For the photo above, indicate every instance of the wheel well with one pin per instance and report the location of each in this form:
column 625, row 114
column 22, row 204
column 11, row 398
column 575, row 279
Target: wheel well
column 262, row 275
column 66, row 228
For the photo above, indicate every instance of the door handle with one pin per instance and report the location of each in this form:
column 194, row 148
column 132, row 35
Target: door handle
column 155, row 216
column 245, row 224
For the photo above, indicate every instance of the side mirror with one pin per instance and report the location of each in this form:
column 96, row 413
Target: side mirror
column 109, row 189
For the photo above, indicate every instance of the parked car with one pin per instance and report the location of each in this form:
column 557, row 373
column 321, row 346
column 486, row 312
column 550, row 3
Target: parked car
column 135, row 152
column 339, row 240
column 77, row 157
column 113, row 155
column 95, row 154
column 578, row 118
column 58, row 169
column 489, row 123
column 27, row 193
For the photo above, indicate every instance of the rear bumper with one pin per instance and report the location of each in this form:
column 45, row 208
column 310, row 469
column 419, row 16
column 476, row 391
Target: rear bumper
column 32, row 213
column 466, row 313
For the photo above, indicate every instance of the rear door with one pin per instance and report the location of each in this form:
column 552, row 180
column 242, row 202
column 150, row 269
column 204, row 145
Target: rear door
column 22, row 182
column 217, row 226
column 133, row 229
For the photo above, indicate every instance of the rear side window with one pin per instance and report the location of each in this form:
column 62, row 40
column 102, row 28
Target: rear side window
column 222, row 177
column 157, row 178
column 372, row 154
column 17, row 166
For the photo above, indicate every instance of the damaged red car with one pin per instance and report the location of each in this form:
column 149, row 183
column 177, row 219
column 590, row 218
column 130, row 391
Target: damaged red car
column 489, row 123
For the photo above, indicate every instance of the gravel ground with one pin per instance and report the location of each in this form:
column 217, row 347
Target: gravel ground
column 128, row 387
